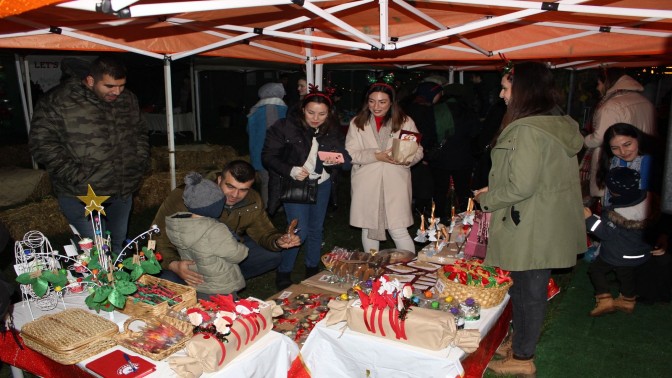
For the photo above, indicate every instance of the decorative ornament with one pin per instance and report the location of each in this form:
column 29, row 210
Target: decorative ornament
column 508, row 68
column 93, row 201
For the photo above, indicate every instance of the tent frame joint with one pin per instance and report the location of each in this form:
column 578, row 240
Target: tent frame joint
column 105, row 7
column 298, row 2
column 548, row 6
column 259, row 31
column 55, row 30
column 605, row 29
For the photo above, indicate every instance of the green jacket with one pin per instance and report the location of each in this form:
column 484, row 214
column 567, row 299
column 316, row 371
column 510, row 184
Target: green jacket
column 246, row 217
column 215, row 251
column 82, row 140
column 535, row 196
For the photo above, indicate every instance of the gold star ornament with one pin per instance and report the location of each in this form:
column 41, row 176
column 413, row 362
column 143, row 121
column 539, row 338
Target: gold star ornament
column 93, row 202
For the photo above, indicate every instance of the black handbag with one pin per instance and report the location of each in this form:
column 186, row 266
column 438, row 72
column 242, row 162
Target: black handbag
column 295, row 191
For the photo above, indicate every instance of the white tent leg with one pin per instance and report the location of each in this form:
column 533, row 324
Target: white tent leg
column 24, row 99
column 318, row 76
column 197, row 130
column 169, row 120
column 196, row 95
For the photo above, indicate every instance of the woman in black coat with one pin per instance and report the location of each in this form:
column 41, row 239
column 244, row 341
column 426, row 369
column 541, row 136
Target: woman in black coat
column 291, row 153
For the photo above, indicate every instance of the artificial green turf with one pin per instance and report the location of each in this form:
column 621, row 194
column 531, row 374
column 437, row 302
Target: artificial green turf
column 574, row 344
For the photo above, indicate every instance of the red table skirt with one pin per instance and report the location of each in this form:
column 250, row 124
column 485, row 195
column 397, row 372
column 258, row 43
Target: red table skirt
column 24, row 358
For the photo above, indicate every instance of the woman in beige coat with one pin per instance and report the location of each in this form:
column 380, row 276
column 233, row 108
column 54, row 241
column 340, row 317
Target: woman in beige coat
column 381, row 187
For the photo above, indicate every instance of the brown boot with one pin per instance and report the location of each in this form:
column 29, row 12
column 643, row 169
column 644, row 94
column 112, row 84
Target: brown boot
column 513, row 366
column 505, row 348
column 604, row 305
column 625, row 304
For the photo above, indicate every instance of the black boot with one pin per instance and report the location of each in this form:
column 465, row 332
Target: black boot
column 311, row 271
column 283, row 280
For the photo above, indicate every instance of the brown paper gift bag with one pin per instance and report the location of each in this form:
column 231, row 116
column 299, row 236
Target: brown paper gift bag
column 205, row 353
column 403, row 150
column 424, row 328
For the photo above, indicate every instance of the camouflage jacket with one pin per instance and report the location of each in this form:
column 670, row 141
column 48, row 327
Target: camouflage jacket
column 82, row 140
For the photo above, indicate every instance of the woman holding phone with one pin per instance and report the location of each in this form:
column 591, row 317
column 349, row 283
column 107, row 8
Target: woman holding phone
column 292, row 151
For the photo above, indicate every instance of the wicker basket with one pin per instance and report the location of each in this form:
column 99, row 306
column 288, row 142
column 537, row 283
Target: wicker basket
column 486, row 297
column 70, row 336
column 125, row 338
column 186, row 293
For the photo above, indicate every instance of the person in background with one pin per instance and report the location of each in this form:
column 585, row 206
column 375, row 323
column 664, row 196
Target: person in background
column 381, row 186
column 622, row 102
column 625, row 145
column 90, row 132
column 534, row 195
column 421, row 111
column 455, row 161
column 200, row 237
column 302, row 88
column 244, row 215
column 263, row 114
column 291, row 153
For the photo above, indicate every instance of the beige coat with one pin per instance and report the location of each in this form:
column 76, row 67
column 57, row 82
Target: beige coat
column 628, row 107
column 370, row 175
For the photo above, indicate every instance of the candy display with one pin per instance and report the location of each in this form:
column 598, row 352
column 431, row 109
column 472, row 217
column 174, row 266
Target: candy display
column 464, row 279
column 300, row 313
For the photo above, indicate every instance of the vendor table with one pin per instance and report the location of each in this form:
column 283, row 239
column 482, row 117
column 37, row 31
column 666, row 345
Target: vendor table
column 253, row 362
column 353, row 354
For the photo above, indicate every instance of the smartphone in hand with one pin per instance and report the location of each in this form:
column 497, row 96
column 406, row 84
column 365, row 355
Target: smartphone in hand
column 331, row 158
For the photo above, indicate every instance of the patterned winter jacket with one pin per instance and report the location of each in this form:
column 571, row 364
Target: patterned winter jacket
column 82, row 140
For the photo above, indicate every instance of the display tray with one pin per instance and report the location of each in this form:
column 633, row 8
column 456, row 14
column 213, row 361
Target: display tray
column 186, row 295
column 133, row 340
column 70, row 336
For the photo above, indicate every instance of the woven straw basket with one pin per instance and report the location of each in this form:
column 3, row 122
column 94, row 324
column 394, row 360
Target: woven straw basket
column 70, row 336
column 486, row 297
column 125, row 338
column 186, row 293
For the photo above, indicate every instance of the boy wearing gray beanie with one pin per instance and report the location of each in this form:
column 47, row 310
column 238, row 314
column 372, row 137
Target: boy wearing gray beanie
column 200, row 237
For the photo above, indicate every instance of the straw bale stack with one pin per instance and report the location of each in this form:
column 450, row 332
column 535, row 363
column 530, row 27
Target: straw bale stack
column 193, row 157
column 44, row 216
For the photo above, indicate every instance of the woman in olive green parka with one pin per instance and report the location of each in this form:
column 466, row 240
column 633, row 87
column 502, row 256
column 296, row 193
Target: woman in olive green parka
column 535, row 199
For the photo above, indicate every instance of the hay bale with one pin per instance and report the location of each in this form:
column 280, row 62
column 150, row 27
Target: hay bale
column 44, row 216
column 193, row 157
column 15, row 156
column 22, row 185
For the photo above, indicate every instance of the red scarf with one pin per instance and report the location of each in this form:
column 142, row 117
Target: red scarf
column 379, row 122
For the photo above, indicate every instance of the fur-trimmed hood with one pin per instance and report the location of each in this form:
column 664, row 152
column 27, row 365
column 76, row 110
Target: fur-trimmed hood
column 637, row 217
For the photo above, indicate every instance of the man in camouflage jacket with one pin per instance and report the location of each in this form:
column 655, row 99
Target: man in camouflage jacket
column 91, row 131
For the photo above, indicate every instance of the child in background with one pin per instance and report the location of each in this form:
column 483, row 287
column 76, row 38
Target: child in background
column 624, row 244
column 200, row 236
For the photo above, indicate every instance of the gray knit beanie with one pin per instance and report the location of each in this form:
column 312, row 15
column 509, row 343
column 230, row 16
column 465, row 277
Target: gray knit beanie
column 202, row 197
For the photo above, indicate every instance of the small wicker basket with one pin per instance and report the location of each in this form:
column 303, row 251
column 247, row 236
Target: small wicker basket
column 127, row 336
column 186, row 293
column 486, row 297
column 70, row 336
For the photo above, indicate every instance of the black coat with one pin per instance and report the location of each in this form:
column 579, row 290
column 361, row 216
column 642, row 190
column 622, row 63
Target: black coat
column 287, row 145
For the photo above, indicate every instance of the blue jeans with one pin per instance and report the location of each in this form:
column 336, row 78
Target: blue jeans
column 259, row 260
column 528, row 299
column 117, row 210
column 310, row 227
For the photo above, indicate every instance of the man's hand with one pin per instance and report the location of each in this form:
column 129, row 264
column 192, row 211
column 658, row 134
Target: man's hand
column 288, row 241
column 181, row 268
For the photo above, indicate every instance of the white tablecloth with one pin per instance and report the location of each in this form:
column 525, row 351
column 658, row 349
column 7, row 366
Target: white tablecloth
column 181, row 122
column 270, row 356
column 337, row 351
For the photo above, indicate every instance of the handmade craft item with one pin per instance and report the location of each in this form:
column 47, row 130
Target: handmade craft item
column 464, row 279
column 386, row 312
column 223, row 329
